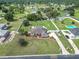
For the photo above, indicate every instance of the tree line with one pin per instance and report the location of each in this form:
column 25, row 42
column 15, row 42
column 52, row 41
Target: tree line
column 42, row 1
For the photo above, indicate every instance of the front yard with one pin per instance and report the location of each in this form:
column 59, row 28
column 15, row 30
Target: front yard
column 76, row 41
column 66, row 44
column 35, row 46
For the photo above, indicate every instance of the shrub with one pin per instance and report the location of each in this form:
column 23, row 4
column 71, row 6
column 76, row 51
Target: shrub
column 26, row 23
column 22, row 42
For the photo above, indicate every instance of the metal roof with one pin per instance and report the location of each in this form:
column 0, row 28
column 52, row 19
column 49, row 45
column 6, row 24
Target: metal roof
column 2, row 25
column 3, row 32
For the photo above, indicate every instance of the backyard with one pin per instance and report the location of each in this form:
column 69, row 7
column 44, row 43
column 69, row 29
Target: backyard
column 35, row 46
column 62, row 25
column 45, row 23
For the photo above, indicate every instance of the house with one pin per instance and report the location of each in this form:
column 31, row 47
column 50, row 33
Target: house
column 68, row 34
column 38, row 31
column 72, row 33
column 3, row 34
column 75, row 32
column 3, row 26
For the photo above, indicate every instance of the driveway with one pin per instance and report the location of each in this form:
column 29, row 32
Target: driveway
column 64, row 51
column 72, row 44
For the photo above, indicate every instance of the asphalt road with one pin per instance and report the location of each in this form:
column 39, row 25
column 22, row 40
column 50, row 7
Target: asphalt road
column 47, row 57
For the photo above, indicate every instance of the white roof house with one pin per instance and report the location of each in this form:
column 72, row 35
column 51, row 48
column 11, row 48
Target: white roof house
column 71, row 34
column 3, row 32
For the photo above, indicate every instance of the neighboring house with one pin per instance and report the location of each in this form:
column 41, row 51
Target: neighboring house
column 3, row 26
column 68, row 34
column 38, row 31
column 3, row 34
column 75, row 32
column 71, row 34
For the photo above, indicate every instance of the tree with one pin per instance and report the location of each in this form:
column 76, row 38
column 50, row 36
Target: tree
column 71, row 11
column 26, row 23
column 22, row 42
column 21, row 9
column 62, row 22
column 52, row 13
column 5, row 10
column 33, row 17
column 73, row 22
column 9, row 16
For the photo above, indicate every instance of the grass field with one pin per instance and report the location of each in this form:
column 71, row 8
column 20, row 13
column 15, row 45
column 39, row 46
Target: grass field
column 76, row 41
column 35, row 46
column 76, row 15
column 45, row 23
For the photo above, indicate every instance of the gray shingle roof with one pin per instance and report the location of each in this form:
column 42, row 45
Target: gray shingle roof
column 75, row 31
column 38, row 29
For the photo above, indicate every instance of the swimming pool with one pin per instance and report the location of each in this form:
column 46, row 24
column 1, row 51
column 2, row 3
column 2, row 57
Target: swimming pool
column 71, row 27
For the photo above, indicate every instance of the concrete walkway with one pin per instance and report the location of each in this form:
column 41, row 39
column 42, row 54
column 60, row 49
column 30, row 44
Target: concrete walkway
column 64, row 51
column 54, row 24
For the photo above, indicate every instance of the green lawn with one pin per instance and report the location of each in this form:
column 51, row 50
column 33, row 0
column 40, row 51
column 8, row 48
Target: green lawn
column 35, row 46
column 67, row 22
column 60, row 25
column 76, row 41
column 76, row 15
column 45, row 23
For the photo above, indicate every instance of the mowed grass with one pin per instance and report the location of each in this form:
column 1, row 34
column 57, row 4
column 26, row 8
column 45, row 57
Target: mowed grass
column 60, row 25
column 66, row 22
column 76, row 15
column 35, row 46
column 76, row 41
column 45, row 23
